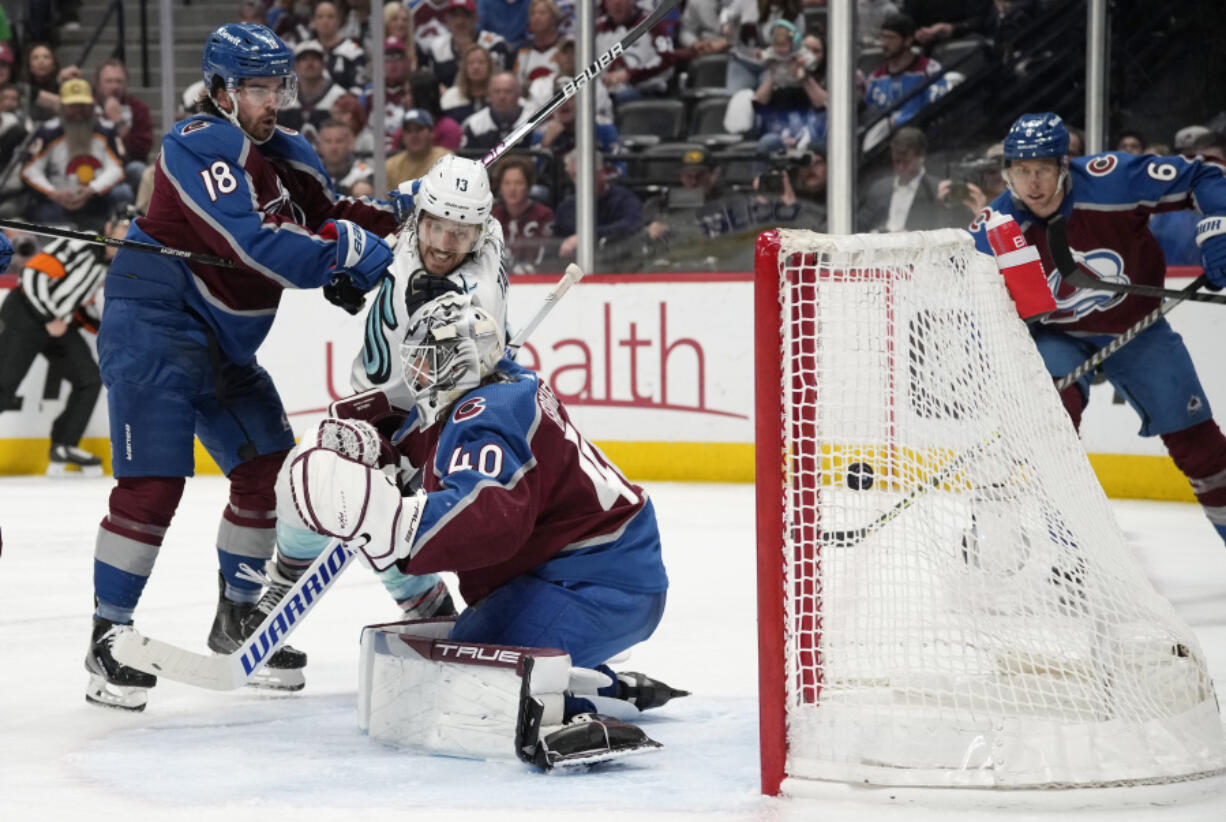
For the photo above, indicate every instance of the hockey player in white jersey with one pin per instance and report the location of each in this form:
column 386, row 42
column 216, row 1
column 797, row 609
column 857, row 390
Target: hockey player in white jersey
column 450, row 245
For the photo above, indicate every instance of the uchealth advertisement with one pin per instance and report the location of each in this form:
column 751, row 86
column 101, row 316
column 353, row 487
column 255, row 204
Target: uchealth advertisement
column 657, row 369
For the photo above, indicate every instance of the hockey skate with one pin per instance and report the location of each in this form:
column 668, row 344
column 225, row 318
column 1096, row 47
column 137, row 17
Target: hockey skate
column 643, row 692
column 586, row 739
column 66, row 459
column 235, row 621
column 111, row 684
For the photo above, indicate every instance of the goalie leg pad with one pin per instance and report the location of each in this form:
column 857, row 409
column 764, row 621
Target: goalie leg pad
column 419, row 689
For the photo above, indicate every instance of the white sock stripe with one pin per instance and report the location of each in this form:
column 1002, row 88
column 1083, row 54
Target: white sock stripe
column 1216, row 514
column 1209, row 483
column 249, row 513
column 257, row 543
column 125, row 553
column 133, row 525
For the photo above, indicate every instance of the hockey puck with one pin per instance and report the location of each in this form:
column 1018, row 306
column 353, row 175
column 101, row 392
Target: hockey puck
column 859, row 476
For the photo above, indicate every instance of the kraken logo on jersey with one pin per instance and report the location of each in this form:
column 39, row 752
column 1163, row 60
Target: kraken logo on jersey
column 1108, row 266
column 376, row 354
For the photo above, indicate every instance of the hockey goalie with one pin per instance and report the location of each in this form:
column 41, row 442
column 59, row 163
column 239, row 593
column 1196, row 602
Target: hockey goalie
column 557, row 553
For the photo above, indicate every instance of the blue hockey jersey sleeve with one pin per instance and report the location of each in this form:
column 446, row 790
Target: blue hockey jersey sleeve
column 1118, row 180
column 238, row 206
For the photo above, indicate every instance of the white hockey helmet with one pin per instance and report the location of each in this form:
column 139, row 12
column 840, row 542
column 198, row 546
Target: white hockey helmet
column 456, row 188
column 451, row 345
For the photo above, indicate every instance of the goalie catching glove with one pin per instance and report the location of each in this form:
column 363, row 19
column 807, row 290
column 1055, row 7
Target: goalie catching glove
column 343, row 498
column 1211, row 237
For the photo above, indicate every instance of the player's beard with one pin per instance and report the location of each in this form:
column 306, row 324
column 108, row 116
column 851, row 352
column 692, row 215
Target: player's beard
column 78, row 137
column 438, row 262
column 261, row 130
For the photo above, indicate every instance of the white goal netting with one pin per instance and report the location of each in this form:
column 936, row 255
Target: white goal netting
column 960, row 607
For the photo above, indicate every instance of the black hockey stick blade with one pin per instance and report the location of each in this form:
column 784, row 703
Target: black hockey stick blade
column 1076, row 276
column 849, row 539
column 130, row 245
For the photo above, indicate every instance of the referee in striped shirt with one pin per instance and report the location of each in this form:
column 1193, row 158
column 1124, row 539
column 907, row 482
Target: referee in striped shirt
column 59, row 296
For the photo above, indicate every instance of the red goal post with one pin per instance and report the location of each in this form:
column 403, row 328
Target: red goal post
column 944, row 597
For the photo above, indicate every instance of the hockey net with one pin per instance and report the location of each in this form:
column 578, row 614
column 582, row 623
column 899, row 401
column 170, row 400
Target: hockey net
column 945, row 598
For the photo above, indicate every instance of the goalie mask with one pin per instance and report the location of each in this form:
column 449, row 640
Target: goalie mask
column 451, row 346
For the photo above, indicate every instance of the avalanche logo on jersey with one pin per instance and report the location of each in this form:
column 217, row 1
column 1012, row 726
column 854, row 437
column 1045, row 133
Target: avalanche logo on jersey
column 84, row 167
column 1103, row 165
column 468, row 409
column 1108, row 266
column 284, row 206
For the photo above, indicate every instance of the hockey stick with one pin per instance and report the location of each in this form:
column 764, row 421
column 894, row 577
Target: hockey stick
column 849, row 539
column 130, row 245
column 573, row 275
column 1070, row 272
column 571, row 87
column 225, row 672
column 1074, row 275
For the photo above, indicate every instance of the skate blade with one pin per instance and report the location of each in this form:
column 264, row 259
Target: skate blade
column 585, row 760
column 108, row 695
column 278, row 679
column 61, row 471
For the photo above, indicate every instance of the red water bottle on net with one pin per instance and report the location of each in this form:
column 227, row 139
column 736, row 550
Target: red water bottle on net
column 1021, row 267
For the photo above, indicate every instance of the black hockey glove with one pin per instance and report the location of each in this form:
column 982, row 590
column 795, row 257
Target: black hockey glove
column 341, row 291
column 424, row 287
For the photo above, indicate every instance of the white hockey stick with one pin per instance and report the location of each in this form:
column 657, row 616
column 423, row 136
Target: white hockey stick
column 225, row 672
column 573, row 275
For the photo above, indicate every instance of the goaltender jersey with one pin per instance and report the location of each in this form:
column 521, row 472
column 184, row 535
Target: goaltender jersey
column 209, row 176
column 514, row 489
column 1107, row 203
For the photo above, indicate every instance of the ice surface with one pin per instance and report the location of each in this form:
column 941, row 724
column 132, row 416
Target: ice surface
column 195, row 754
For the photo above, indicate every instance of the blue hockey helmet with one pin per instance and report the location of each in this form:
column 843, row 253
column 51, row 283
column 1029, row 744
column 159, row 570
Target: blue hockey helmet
column 235, row 51
column 240, row 51
column 1034, row 136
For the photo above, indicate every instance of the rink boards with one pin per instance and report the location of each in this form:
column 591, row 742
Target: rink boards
column 656, row 368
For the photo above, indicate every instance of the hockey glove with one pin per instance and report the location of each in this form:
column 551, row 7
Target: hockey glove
column 424, row 287
column 341, row 291
column 404, row 199
column 361, row 506
column 361, row 255
column 1211, row 237
column 6, row 253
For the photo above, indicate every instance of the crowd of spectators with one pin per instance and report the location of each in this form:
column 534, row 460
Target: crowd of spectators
column 460, row 75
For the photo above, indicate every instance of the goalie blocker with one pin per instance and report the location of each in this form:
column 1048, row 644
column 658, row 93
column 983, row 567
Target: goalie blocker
column 419, row 689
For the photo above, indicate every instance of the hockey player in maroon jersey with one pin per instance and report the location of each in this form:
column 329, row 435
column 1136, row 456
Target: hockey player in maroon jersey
column 552, row 546
column 1106, row 200
column 178, row 340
